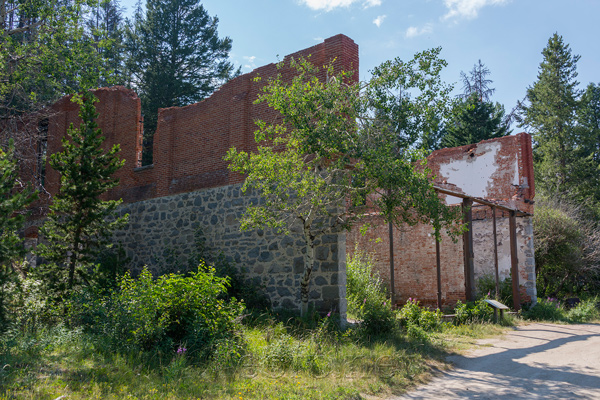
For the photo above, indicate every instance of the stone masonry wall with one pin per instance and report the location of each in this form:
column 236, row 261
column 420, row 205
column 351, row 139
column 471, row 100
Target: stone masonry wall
column 162, row 228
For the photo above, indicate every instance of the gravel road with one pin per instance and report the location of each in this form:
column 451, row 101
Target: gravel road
column 536, row 361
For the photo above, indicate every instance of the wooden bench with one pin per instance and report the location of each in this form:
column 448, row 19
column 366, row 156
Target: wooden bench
column 496, row 305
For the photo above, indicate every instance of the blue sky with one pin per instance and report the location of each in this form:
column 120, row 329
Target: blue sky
column 507, row 35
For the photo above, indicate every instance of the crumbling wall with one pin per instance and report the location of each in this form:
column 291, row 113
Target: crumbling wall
column 415, row 274
column 189, row 188
column 499, row 170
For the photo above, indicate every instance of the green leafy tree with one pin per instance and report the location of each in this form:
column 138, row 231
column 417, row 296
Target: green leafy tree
column 45, row 53
column 409, row 99
column 175, row 57
column 328, row 160
column 14, row 199
column 473, row 120
column 80, row 222
column 551, row 116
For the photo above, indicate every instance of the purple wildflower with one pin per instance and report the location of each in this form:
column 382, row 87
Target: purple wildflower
column 329, row 314
column 181, row 350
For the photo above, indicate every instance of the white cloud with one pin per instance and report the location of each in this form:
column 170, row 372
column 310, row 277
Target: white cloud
column 414, row 31
column 372, row 3
column 329, row 5
column 250, row 60
column 379, row 20
column 468, row 8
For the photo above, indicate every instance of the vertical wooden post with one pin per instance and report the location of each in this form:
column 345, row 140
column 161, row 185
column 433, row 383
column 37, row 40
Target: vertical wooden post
column 496, row 253
column 392, row 280
column 439, row 273
column 514, row 261
column 468, row 250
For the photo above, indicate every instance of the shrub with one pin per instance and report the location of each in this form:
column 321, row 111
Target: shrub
column 585, row 311
column 567, row 250
column 173, row 310
column 366, row 296
column 471, row 312
column 412, row 315
column 548, row 309
column 486, row 287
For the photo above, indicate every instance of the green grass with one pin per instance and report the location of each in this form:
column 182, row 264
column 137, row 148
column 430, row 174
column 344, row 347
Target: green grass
column 281, row 361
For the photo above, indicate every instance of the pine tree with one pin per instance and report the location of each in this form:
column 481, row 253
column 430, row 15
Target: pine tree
column 14, row 198
column 477, row 82
column 80, row 223
column 551, row 116
column 175, row 58
column 106, row 27
column 473, row 120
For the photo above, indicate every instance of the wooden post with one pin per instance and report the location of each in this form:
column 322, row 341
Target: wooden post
column 468, row 250
column 392, row 280
column 496, row 253
column 439, row 273
column 514, row 261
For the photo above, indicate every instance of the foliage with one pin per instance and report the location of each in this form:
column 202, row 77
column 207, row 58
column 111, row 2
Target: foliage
column 587, row 310
column 477, row 83
column 105, row 23
column 409, row 99
column 411, row 315
column 45, row 53
column 564, row 163
column 567, row 250
column 473, row 120
column 548, row 309
column 14, row 199
column 486, row 288
column 15, row 196
column 472, row 312
column 77, row 226
column 169, row 312
column 366, row 296
column 175, row 57
column 315, row 168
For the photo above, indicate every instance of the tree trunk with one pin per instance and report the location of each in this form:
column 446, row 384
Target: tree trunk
column 309, row 262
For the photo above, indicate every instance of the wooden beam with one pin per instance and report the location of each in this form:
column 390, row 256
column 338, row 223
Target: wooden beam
column 392, row 280
column 480, row 201
column 439, row 273
column 496, row 253
column 468, row 250
column 514, row 260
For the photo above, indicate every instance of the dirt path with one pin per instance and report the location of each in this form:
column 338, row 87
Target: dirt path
column 537, row 361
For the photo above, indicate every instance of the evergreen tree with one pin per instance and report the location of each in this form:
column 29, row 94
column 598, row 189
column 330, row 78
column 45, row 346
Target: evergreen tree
column 79, row 224
column 14, row 198
column 106, row 26
column 473, row 120
column 551, row 116
column 477, row 82
column 175, row 58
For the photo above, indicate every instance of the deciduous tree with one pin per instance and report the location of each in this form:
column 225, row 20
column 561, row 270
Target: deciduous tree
column 329, row 159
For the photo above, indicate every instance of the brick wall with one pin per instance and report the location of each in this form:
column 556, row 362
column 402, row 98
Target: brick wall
column 498, row 169
column 189, row 189
column 190, row 142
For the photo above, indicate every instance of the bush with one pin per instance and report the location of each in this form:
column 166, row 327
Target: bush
column 567, row 250
column 548, row 309
column 486, row 288
column 585, row 311
column 172, row 311
column 366, row 296
column 412, row 315
column 472, row 312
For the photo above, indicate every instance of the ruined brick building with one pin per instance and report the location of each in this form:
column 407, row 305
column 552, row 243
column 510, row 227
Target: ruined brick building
column 189, row 188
